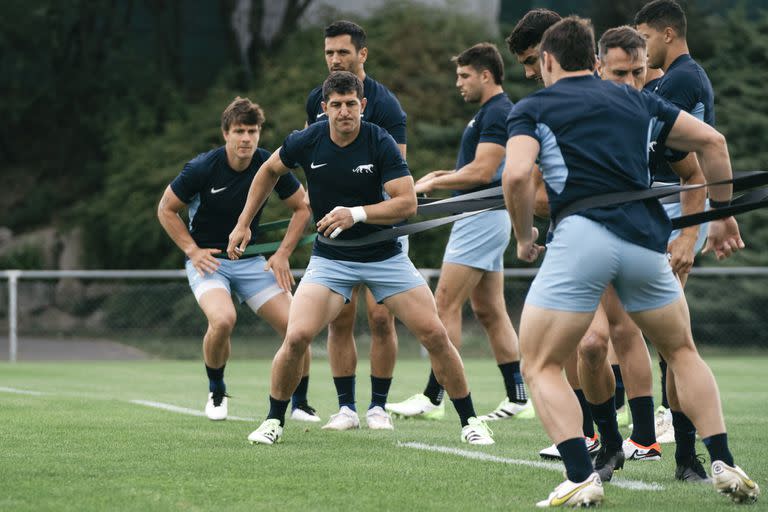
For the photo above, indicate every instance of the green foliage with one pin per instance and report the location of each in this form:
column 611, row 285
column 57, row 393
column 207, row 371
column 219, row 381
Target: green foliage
column 27, row 257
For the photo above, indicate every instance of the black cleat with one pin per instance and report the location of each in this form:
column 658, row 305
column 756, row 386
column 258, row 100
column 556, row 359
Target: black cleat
column 608, row 461
column 692, row 470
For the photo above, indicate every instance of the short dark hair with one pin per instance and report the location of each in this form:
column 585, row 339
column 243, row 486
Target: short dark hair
column 483, row 56
column 572, row 42
column 353, row 30
column 661, row 14
column 624, row 37
column 530, row 29
column 242, row 111
column 342, row 82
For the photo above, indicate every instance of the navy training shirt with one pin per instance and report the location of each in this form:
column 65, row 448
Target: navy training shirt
column 381, row 109
column 488, row 125
column 686, row 85
column 353, row 175
column 594, row 137
column 216, row 195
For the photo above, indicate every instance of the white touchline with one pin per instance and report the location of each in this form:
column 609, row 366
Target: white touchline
column 624, row 483
column 21, row 391
column 182, row 410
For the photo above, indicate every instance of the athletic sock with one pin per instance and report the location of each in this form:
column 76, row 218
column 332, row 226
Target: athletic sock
column 605, row 417
column 465, row 408
column 379, row 391
column 216, row 379
column 663, row 368
column 643, row 426
column 513, row 382
column 619, row 396
column 434, row 391
column 345, row 390
column 578, row 465
column 717, row 446
column 685, row 437
column 277, row 409
column 587, row 424
column 299, row 396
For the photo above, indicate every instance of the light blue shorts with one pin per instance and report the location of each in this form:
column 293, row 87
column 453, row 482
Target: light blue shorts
column 246, row 278
column 583, row 257
column 479, row 241
column 405, row 244
column 675, row 210
column 384, row 278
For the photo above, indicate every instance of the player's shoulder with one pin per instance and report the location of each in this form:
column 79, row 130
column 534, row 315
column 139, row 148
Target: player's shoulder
column 261, row 156
column 380, row 92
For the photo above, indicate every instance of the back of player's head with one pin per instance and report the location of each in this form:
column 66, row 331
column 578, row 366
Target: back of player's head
column 661, row 14
column 242, row 111
column 530, row 29
column 353, row 30
column 624, row 37
column 342, row 82
column 483, row 56
column 571, row 42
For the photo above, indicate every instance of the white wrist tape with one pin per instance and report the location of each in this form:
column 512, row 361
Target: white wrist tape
column 358, row 214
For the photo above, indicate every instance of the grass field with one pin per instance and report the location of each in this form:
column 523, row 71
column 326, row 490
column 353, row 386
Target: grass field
column 76, row 441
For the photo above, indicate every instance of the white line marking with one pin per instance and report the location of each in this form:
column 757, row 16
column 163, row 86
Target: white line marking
column 182, row 410
column 624, row 483
column 21, row 391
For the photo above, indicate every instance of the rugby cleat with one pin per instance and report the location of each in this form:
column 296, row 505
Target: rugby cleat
column 305, row 412
column 378, row 419
column 665, row 432
column 550, row 452
column 572, row 494
column 476, row 432
column 734, row 482
column 345, row 419
column 216, row 408
column 417, row 406
column 508, row 409
column 692, row 470
column 635, row 451
column 269, row 432
column 607, row 462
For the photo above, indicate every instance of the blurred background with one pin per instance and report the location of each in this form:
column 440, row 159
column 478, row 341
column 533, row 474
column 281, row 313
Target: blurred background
column 103, row 101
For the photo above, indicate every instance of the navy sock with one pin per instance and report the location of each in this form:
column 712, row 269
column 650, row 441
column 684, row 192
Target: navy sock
column 587, row 425
column 619, row 397
column 685, row 437
column 277, row 409
column 434, row 391
column 513, row 382
column 717, row 445
column 379, row 391
column 299, row 396
column 216, row 379
column 465, row 408
column 578, row 465
column 663, row 368
column 605, row 417
column 643, row 427
column 345, row 390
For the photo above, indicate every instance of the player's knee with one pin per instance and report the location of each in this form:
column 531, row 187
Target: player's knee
column 593, row 348
column 297, row 341
column 381, row 323
column 222, row 324
column 434, row 337
column 486, row 314
column 344, row 323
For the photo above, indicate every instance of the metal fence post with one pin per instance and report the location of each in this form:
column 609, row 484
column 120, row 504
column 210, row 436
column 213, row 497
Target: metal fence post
column 13, row 293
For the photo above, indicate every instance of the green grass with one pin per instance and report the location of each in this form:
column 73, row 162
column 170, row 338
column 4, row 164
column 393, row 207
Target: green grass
column 83, row 446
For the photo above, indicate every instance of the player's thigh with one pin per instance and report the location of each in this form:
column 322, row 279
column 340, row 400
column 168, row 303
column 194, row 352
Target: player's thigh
column 455, row 285
column 549, row 336
column 417, row 310
column 218, row 307
column 275, row 312
column 668, row 327
column 312, row 308
column 378, row 313
column 487, row 297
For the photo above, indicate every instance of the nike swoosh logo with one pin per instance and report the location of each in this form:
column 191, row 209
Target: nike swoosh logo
column 320, row 115
column 217, row 190
column 313, row 166
column 559, row 500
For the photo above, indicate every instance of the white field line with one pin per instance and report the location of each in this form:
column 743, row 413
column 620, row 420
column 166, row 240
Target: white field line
column 624, row 483
column 182, row 410
column 21, row 391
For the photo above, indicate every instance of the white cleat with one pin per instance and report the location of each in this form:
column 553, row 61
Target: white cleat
column 477, row 432
column 345, row 419
column 734, row 482
column 269, row 432
column 417, row 406
column 305, row 412
column 551, row 451
column 378, row 419
column 216, row 409
column 572, row 494
column 665, row 432
column 508, row 409
column 634, row 451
